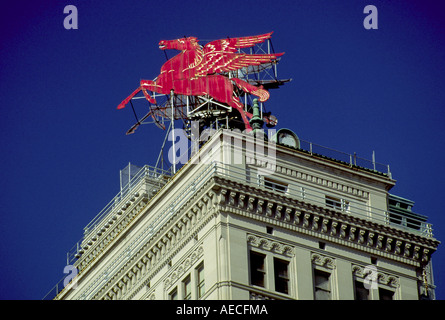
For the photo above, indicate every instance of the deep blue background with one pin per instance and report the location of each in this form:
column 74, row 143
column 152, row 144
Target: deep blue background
column 63, row 142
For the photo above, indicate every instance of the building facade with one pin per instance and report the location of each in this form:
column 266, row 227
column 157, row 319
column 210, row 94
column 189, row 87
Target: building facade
column 272, row 221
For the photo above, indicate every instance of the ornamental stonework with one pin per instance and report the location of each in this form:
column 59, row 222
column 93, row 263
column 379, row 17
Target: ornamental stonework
column 183, row 268
column 321, row 181
column 323, row 261
column 321, row 222
column 270, row 245
column 384, row 278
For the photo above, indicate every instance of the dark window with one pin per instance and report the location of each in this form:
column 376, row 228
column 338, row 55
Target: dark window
column 187, row 288
column 322, row 285
column 386, row 294
column 336, row 203
column 201, row 283
column 333, row 202
column 361, row 293
column 281, row 275
column 275, row 185
column 174, row 294
column 257, row 268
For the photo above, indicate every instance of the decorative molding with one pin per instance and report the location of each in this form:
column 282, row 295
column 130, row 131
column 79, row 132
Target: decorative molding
column 183, row 267
column 324, row 225
column 321, row 181
column 109, row 228
column 370, row 241
column 333, row 232
column 323, row 260
column 384, row 278
column 270, row 245
column 344, row 228
column 259, row 296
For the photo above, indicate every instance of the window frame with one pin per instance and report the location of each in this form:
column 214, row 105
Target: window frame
column 285, row 278
column 187, row 284
column 356, row 281
column 273, row 184
column 200, row 280
column 335, row 203
column 173, row 294
column 317, row 288
column 262, row 271
column 381, row 288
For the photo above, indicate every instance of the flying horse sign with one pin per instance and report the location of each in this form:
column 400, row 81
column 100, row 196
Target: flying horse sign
column 204, row 71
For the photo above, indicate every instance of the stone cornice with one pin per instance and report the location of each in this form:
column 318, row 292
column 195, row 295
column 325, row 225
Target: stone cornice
column 320, row 222
column 106, row 232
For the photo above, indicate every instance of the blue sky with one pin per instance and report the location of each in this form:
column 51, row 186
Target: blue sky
column 63, row 142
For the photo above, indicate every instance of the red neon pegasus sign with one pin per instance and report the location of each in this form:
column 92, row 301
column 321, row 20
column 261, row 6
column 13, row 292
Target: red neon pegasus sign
column 198, row 70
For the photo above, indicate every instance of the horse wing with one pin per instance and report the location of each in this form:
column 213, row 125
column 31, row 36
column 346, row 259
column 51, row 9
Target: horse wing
column 217, row 63
column 232, row 44
column 221, row 55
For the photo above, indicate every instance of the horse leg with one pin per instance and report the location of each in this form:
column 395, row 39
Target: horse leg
column 150, row 85
column 239, row 106
column 221, row 89
column 145, row 84
column 124, row 102
column 260, row 92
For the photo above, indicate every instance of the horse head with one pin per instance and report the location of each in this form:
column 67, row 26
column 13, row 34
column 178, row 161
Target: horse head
column 181, row 44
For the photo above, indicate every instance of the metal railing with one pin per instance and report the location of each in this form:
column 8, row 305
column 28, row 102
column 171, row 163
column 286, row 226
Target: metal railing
column 346, row 158
column 55, row 290
column 157, row 176
column 146, row 171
